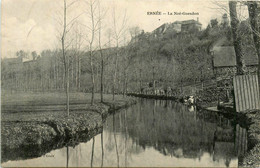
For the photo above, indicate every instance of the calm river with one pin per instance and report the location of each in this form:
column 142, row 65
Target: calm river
column 154, row 133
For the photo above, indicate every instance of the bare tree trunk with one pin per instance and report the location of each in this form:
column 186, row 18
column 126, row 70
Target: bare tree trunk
column 76, row 72
column 153, row 80
column 57, row 76
column 67, row 89
column 101, row 77
column 55, row 73
column 117, row 34
column 115, row 72
column 118, row 84
column 41, row 81
column 64, row 80
column 72, row 75
column 141, row 80
column 236, row 38
column 65, row 59
column 97, row 77
column 77, row 61
column 79, row 71
column 124, row 84
column 92, row 78
column 254, row 15
column 91, row 53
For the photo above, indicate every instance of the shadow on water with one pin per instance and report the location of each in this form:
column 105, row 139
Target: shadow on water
column 92, row 153
column 157, row 133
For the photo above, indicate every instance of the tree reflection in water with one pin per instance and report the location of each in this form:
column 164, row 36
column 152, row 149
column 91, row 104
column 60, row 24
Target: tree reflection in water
column 67, row 163
column 102, row 148
column 115, row 139
column 125, row 137
column 92, row 153
column 171, row 130
column 102, row 144
column 158, row 132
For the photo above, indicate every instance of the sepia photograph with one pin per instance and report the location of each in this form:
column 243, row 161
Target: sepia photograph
column 130, row 83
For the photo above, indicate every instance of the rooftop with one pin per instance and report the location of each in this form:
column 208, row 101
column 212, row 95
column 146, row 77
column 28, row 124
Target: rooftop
column 167, row 25
column 190, row 21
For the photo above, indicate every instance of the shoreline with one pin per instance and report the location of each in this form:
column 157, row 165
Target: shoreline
column 37, row 137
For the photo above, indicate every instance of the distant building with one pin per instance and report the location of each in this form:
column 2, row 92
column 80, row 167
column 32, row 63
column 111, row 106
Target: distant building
column 162, row 29
column 29, row 64
column 179, row 26
column 224, row 61
column 189, row 25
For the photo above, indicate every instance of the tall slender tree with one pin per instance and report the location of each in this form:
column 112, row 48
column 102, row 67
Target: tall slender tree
column 65, row 44
column 101, row 54
column 65, row 57
column 93, row 28
column 236, row 38
column 118, row 32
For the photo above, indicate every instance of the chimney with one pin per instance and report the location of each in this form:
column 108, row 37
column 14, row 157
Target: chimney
column 197, row 19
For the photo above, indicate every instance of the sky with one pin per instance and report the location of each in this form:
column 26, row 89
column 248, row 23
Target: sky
column 32, row 25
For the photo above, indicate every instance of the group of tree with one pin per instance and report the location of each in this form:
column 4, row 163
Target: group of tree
column 103, row 60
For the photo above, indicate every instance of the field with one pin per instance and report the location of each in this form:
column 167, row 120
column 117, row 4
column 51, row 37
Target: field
column 50, row 98
column 30, row 106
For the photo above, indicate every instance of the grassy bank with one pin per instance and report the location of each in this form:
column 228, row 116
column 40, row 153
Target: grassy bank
column 37, row 122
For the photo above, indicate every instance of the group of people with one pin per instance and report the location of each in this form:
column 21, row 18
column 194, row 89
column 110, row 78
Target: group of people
column 157, row 91
column 190, row 100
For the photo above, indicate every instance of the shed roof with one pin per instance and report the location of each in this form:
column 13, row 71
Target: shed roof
column 224, row 56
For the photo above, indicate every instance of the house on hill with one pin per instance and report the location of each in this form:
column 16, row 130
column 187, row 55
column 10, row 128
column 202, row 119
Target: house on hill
column 189, row 25
column 176, row 26
column 224, row 61
column 179, row 26
column 161, row 29
column 11, row 66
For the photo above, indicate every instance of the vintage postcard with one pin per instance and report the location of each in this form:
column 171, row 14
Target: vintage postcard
column 130, row 83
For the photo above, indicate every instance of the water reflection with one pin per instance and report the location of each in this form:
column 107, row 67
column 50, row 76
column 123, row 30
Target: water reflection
column 92, row 154
column 67, row 165
column 115, row 137
column 156, row 133
column 125, row 138
column 102, row 149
